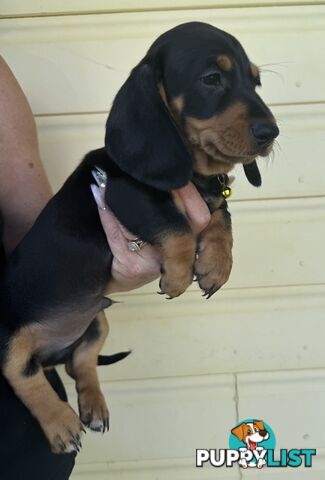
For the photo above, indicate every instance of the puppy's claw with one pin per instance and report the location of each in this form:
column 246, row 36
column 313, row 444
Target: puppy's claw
column 79, row 442
column 208, row 294
column 62, row 447
column 76, row 442
column 106, row 425
column 76, row 446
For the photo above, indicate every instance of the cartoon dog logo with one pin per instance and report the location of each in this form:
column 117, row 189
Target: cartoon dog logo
column 251, row 433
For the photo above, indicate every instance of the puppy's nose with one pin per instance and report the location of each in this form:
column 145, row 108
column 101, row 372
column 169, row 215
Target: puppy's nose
column 264, row 133
column 263, row 433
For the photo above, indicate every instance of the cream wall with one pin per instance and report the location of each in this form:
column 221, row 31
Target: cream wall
column 256, row 348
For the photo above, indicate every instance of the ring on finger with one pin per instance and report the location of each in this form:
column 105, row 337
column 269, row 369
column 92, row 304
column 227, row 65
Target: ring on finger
column 136, row 244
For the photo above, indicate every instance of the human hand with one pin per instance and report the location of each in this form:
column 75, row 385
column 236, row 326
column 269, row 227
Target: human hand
column 131, row 270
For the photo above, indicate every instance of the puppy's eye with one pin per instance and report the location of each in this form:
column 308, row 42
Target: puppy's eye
column 212, row 79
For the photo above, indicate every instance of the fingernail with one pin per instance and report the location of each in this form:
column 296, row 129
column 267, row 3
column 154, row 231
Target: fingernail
column 98, row 197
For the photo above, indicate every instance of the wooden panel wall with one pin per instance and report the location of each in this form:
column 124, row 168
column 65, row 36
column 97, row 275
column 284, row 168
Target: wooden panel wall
column 256, row 348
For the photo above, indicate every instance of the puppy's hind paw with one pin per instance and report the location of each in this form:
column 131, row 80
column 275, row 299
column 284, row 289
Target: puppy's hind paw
column 64, row 432
column 93, row 410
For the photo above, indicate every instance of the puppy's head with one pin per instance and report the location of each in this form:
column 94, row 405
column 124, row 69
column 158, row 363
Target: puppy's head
column 190, row 104
column 251, row 433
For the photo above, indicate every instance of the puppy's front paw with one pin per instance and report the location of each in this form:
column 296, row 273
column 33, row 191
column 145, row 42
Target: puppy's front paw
column 178, row 252
column 64, row 430
column 174, row 283
column 93, row 410
column 213, row 265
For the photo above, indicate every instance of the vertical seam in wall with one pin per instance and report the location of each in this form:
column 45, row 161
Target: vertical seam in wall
column 236, row 398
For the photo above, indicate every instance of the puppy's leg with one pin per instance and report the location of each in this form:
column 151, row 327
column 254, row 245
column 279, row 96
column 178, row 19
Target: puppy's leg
column 82, row 367
column 214, row 262
column 178, row 255
column 59, row 422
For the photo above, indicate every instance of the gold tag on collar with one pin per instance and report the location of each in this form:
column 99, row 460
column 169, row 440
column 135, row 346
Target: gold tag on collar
column 226, row 192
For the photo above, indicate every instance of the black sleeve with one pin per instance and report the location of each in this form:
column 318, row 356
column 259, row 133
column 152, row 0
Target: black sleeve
column 24, row 450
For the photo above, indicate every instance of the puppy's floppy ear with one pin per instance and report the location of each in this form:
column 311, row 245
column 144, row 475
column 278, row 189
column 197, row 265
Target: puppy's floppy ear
column 239, row 432
column 259, row 424
column 253, row 174
column 142, row 137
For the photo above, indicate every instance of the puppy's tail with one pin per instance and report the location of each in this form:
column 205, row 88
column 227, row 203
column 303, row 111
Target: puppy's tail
column 110, row 359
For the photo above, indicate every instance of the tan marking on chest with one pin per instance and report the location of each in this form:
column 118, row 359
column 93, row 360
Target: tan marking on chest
column 205, row 165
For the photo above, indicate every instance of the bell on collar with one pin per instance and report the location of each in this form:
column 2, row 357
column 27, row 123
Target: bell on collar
column 226, row 192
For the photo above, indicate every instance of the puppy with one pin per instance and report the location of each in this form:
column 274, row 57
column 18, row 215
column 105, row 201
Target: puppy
column 189, row 111
column 251, row 434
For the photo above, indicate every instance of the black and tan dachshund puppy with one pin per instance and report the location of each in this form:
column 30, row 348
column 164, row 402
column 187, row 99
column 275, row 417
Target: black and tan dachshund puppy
column 188, row 112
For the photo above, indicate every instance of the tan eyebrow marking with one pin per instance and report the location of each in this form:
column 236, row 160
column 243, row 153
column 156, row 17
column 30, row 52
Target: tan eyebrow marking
column 224, row 62
column 255, row 70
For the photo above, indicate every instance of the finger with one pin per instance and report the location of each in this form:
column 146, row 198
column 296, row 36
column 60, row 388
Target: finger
column 196, row 209
column 129, row 269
